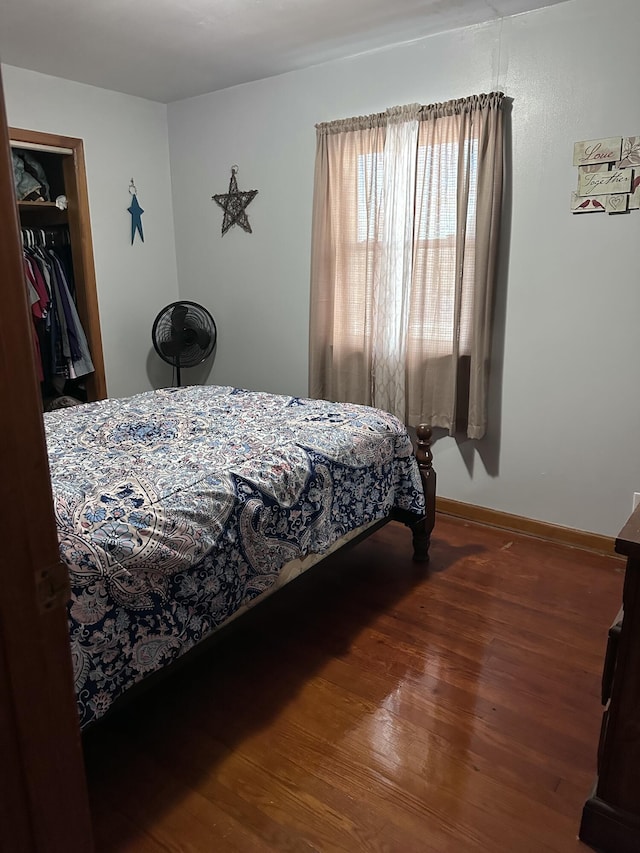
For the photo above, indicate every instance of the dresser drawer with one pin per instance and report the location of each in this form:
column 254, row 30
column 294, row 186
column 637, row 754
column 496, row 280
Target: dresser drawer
column 609, row 667
column 603, row 735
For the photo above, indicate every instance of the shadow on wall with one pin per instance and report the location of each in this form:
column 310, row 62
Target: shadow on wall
column 488, row 448
column 163, row 375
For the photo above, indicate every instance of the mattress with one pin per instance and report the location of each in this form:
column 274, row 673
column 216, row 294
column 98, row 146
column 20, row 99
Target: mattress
column 177, row 509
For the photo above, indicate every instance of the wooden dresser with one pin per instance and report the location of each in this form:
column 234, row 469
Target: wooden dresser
column 611, row 816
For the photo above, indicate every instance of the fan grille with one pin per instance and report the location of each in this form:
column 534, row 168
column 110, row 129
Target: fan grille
column 184, row 334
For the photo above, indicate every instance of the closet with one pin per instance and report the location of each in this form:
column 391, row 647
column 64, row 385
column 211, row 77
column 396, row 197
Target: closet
column 55, row 225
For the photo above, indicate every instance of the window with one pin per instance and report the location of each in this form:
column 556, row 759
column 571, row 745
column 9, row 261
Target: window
column 406, row 213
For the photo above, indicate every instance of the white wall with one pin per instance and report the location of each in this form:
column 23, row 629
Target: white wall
column 564, row 437
column 565, row 407
column 124, row 138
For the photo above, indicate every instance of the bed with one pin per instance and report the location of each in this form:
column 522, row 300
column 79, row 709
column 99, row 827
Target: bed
column 179, row 509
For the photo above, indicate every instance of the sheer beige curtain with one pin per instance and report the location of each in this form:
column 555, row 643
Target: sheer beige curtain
column 405, row 234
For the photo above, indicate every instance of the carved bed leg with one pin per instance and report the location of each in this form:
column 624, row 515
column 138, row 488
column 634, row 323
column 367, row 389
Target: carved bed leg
column 422, row 529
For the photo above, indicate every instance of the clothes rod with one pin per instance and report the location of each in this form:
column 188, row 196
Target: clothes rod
column 35, row 146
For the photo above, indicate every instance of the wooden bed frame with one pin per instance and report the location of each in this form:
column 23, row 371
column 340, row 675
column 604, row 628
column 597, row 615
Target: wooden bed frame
column 423, row 528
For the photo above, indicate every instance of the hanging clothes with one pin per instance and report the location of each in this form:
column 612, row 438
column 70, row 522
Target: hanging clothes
column 38, row 302
column 60, row 344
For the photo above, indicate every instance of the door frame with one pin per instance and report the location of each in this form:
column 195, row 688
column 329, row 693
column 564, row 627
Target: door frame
column 44, row 805
column 71, row 150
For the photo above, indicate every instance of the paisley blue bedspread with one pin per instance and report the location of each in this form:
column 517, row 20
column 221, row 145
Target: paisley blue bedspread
column 177, row 507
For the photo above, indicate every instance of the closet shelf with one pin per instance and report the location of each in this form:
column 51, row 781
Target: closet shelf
column 38, row 213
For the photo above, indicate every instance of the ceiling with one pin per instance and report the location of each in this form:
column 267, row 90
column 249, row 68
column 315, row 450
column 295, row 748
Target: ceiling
column 165, row 50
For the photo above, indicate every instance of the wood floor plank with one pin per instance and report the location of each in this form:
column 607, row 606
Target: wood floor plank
column 444, row 709
column 177, row 815
column 299, row 761
column 372, row 706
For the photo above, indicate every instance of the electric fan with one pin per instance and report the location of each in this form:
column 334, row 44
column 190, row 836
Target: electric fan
column 184, row 334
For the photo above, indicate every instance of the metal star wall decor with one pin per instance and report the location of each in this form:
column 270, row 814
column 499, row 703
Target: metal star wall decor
column 234, row 204
column 136, row 213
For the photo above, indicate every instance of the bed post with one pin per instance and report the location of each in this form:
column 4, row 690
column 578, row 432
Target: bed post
column 422, row 529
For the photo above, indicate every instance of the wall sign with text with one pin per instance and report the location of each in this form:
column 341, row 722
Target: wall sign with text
column 608, row 175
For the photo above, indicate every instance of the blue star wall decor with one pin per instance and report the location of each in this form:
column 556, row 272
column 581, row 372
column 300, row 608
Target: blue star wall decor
column 136, row 213
column 234, row 203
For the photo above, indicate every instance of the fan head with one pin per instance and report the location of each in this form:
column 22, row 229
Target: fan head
column 184, row 334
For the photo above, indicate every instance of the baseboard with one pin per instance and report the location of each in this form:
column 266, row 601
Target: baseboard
column 529, row 526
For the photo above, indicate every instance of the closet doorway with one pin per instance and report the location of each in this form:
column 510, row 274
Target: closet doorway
column 62, row 159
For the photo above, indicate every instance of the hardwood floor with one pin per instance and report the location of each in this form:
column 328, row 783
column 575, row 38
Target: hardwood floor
column 371, row 706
